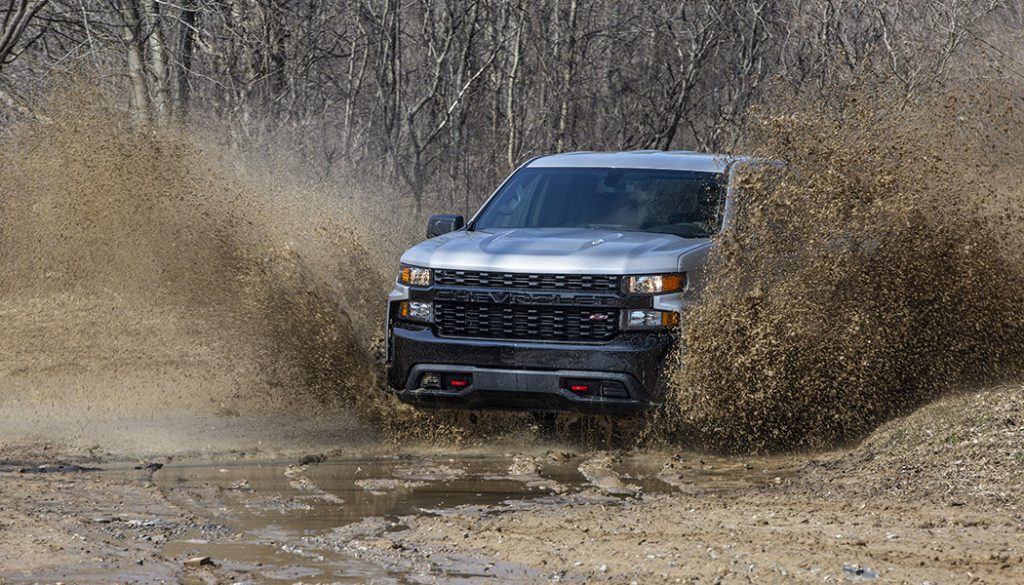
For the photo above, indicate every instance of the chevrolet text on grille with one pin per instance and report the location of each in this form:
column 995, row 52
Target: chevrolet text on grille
column 523, row 298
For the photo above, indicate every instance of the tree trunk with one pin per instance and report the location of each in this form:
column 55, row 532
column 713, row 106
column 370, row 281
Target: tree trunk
column 567, row 75
column 16, row 18
column 186, row 36
column 136, row 68
column 157, row 60
column 512, row 147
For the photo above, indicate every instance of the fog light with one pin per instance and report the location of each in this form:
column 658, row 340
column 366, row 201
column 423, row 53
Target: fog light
column 431, row 381
column 648, row 319
column 416, row 311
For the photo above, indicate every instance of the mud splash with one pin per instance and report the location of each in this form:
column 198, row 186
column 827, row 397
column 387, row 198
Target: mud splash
column 149, row 271
column 882, row 267
column 156, row 271
column 151, row 274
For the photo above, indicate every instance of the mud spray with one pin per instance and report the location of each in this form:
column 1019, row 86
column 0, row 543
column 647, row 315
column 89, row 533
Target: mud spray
column 147, row 272
column 881, row 268
column 154, row 271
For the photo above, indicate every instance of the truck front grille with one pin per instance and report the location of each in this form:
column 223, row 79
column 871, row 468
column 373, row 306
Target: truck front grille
column 581, row 282
column 534, row 323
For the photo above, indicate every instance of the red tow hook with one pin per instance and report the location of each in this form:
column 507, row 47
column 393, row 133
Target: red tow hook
column 457, row 381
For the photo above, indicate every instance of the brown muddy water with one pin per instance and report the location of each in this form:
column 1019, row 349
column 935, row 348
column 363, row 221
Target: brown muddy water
column 282, row 522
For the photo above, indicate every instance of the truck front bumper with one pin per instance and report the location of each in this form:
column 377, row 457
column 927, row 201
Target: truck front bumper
column 622, row 376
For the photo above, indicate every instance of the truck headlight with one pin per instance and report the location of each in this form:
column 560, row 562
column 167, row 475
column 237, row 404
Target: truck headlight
column 414, row 276
column 654, row 283
column 649, row 319
column 416, row 311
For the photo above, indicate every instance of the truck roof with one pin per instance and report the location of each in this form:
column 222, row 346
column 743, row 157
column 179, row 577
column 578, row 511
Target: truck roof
column 675, row 160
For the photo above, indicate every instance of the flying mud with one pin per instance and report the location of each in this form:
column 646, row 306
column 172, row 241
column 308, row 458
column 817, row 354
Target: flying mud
column 148, row 272
column 882, row 267
column 157, row 271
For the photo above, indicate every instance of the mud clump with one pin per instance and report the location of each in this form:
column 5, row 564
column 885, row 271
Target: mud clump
column 880, row 268
column 145, row 270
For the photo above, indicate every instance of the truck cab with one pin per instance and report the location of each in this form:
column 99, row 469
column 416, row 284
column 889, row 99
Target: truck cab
column 565, row 291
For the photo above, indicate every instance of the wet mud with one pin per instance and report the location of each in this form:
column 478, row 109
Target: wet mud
column 880, row 268
column 154, row 274
column 322, row 522
column 522, row 517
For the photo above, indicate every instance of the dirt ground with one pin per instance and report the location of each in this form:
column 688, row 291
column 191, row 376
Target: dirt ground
column 935, row 497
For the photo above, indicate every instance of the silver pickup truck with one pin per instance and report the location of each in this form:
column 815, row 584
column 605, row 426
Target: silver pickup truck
column 566, row 289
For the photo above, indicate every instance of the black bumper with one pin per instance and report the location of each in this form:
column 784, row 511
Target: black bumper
column 622, row 376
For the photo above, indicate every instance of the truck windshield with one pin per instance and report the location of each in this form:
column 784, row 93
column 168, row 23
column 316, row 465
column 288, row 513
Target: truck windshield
column 683, row 203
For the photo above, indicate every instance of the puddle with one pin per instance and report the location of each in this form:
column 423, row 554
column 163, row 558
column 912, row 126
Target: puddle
column 272, row 512
column 276, row 513
column 280, row 522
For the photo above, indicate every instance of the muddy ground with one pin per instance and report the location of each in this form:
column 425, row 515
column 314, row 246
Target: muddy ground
column 935, row 497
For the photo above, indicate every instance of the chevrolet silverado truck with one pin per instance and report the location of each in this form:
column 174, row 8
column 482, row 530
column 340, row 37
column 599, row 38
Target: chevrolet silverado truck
column 565, row 291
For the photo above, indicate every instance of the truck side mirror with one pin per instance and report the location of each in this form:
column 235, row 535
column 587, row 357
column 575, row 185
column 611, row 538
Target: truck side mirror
column 443, row 223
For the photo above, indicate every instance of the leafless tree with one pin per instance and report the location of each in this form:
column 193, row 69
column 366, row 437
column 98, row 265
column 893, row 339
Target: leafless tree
column 444, row 96
column 15, row 19
column 14, row 22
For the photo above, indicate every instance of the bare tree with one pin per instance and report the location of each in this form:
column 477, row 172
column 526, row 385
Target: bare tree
column 133, row 38
column 183, row 63
column 157, row 60
column 445, row 96
column 14, row 22
column 15, row 19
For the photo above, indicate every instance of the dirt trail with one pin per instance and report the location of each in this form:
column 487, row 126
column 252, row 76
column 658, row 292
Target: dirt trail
column 918, row 502
column 937, row 497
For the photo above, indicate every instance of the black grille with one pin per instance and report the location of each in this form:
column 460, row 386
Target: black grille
column 537, row 323
column 532, row 281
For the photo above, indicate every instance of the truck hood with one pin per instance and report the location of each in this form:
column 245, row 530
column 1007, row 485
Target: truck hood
column 558, row 250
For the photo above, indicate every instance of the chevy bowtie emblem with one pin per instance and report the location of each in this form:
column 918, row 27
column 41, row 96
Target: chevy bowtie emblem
column 599, row 316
